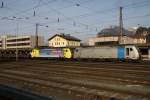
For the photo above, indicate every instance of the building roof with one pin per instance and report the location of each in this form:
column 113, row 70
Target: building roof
column 67, row 37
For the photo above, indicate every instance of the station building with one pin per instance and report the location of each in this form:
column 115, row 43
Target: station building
column 110, row 40
column 63, row 40
column 12, row 42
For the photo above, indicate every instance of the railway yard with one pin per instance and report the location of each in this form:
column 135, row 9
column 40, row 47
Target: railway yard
column 84, row 80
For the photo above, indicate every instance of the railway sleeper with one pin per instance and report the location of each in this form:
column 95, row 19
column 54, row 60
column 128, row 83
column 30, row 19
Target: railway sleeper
column 58, row 85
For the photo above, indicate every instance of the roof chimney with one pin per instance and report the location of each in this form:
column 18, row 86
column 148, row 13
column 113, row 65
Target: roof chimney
column 62, row 34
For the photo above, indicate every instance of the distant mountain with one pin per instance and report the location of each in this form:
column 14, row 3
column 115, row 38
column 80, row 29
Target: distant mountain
column 114, row 31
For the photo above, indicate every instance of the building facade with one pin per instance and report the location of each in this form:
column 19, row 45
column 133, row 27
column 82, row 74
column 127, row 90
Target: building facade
column 62, row 40
column 11, row 42
column 131, row 40
column 110, row 40
column 103, row 40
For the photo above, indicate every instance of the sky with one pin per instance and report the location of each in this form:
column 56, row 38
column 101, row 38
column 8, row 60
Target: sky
column 80, row 18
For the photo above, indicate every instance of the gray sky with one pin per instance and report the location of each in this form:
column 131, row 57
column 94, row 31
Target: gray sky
column 80, row 18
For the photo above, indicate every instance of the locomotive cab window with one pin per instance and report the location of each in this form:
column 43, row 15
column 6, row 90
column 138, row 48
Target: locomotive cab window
column 127, row 51
column 131, row 49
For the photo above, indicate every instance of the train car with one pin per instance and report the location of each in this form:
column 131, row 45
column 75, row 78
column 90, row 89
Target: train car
column 107, row 52
column 51, row 53
column 12, row 53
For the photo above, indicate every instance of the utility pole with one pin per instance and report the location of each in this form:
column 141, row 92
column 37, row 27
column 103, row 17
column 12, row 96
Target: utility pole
column 17, row 41
column 36, row 34
column 120, row 26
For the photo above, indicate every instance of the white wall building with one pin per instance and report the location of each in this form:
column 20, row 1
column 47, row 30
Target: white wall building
column 62, row 40
column 129, row 40
column 114, row 39
column 94, row 40
column 11, row 42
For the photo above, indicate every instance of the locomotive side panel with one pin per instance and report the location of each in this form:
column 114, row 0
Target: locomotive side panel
column 121, row 53
column 47, row 53
column 96, row 52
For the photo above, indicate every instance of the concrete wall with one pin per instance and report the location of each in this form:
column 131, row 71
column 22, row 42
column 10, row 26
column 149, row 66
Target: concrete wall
column 29, row 42
column 129, row 40
column 92, row 41
column 125, row 40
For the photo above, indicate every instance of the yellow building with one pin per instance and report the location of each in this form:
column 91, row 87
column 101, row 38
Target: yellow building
column 62, row 40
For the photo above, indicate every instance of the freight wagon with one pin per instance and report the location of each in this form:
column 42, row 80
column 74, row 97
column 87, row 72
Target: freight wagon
column 12, row 53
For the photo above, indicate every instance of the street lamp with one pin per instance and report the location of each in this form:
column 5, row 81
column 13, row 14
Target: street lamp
column 17, row 31
column 36, row 33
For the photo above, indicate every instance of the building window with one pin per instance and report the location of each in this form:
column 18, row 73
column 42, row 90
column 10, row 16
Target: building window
column 19, row 44
column 22, row 39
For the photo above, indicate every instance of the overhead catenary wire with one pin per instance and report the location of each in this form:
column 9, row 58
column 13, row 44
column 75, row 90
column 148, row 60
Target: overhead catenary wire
column 105, row 11
column 129, row 18
column 84, row 16
column 2, row 4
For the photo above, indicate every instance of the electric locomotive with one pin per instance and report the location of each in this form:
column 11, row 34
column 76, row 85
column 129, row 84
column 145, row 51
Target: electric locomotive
column 51, row 53
column 125, row 52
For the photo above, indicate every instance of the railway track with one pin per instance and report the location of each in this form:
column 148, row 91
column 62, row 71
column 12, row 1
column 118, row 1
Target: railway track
column 132, row 78
column 81, row 78
column 130, row 74
column 71, row 85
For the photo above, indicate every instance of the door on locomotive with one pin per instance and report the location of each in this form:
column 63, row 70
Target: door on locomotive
column 131, row 52
column 67, row 53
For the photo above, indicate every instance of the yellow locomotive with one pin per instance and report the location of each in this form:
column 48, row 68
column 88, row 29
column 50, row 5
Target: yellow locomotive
column 52, row 53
